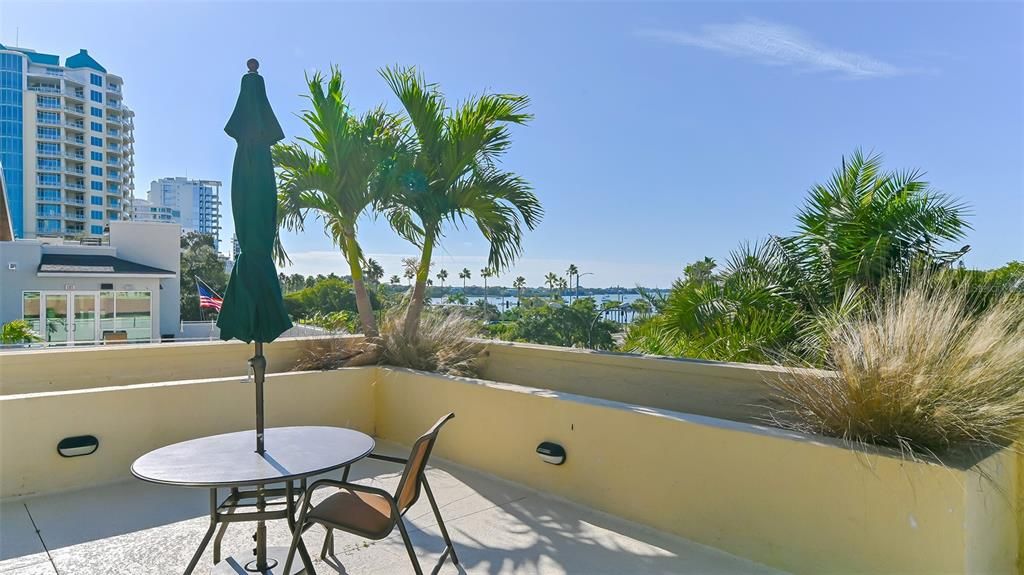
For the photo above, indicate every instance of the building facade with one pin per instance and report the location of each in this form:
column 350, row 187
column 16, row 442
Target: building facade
column 66, row 144
column 123, row 290
column 194, row 204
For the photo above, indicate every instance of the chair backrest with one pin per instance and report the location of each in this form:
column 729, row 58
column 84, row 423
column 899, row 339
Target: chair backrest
column 409, row 487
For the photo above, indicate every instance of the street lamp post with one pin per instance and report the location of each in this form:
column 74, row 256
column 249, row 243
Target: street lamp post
column 578, row 276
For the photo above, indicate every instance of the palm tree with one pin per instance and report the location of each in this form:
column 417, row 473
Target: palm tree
column 335, row 173
column 573, row 271
column 410, row 267
column 562, row 286
column 464, row 275
column 485, row 273
column 519, row 284
column 857, row 231
column 441, row 276
column 395, row 280
column 865, row 224
column 453, row 175
column 373, row 271
column 551, row 280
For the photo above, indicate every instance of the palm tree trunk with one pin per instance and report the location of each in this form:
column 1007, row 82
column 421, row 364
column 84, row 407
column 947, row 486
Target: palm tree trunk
column 412, row 316
column 366, row 317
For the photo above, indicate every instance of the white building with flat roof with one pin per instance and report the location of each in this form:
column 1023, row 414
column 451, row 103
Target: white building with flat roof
column 194, row 204
column 66, row 144
column 79, row 292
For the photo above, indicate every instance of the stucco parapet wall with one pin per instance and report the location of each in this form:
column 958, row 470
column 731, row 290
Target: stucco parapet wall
column 734, row 391
column 62, row 369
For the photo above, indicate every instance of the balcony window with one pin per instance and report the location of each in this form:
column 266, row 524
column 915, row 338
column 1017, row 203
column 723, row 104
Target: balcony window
column 48, row 164
column 48, row 149
column 48, row 211
column 48, row 179
column 97, row 112
column 96, row 201
column 96, row 141
column 48, row 133
column 96, row 215
column 48, row 102
column 96, row 230
column 47, row 195
column 52, row 118
column 96, row 80
column 97, row 186
column 96, row 126
column 96, row 96
column 96, row 156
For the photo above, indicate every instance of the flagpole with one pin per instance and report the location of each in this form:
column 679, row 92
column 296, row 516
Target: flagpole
column 202, row 314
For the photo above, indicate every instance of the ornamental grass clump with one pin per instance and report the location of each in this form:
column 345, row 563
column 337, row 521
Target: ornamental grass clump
column 441, row 344
column 920, row 371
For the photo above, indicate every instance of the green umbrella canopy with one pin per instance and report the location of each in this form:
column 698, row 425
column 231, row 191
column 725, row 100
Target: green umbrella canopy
column 253, row 309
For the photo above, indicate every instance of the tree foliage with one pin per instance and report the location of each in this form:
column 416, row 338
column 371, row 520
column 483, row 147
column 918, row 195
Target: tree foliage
column 325, row 297
column 579, row 324
column 200, row 260
column 861, row 229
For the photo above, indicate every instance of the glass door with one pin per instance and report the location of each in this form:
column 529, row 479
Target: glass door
column 84, row 314
column 56, row 318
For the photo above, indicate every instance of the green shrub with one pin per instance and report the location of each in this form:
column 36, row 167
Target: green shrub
column 18, row 331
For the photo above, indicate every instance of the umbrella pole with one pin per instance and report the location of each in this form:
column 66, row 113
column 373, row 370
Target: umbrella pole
column 259, row 368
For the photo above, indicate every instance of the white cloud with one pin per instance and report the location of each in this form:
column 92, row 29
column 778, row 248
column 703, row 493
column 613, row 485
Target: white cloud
column 778, row 45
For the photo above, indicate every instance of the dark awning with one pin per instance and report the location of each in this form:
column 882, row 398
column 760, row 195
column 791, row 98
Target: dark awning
column 80, row 264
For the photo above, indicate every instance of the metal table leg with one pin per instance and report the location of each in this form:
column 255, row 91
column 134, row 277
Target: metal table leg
column 233, row 498
column 307, row 562
column 209, row 533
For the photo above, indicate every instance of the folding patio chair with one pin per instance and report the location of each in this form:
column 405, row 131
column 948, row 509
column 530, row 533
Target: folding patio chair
column 373, row 513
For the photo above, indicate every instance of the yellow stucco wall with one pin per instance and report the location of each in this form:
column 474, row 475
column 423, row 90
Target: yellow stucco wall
column 132, row 420
column 735, row 391
column 781, row 499
column 54, row 369
column 806, row 505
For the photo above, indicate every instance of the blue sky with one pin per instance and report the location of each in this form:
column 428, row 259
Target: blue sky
column 664, row 132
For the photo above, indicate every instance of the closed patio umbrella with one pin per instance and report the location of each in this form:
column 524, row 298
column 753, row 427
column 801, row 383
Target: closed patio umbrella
column 253, row 310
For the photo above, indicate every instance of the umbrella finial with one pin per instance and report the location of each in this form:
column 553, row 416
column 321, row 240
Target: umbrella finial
column 254, row 65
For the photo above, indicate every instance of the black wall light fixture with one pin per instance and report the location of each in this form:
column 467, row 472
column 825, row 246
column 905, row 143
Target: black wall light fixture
column 78, row 445
column 552, row 453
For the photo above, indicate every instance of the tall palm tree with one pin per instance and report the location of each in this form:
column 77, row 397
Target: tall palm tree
column 573, row 271
column 409, row 268
column 519, row 284
column 551, row 280
column 441, row 276
column 373, row 271
column 453, row 175
column 395, row 280
column 485, row 273
column 334, row 173
column 464, row 275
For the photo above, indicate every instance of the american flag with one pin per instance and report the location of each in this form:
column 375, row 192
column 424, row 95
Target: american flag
column 208, row 298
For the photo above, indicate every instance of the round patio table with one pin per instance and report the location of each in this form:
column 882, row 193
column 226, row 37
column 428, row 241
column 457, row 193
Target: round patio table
column 229, row 461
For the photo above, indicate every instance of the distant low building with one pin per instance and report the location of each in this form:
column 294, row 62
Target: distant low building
column 123, row 287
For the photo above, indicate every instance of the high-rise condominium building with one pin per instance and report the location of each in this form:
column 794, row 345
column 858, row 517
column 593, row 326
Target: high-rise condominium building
column 66, row 144
column 195, row 204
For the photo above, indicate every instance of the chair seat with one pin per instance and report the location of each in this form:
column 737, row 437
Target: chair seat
column 367, row 514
